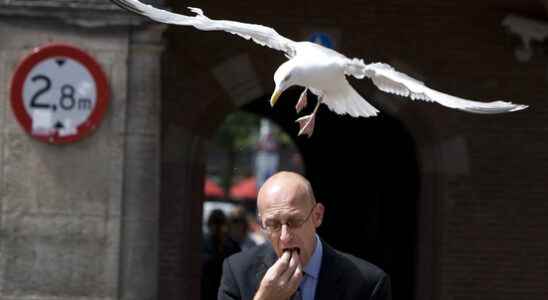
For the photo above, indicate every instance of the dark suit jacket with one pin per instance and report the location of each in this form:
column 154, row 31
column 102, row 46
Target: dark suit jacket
column 342, row 276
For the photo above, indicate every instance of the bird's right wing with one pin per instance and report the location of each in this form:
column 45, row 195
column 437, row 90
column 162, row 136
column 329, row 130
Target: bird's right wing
column 262, row 35
column 388, row 80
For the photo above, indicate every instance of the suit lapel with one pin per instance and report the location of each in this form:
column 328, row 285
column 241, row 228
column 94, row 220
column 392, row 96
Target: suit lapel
column 268, row 259
column 330, row 275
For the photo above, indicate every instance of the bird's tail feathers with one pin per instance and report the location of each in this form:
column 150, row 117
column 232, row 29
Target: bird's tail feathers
column 345, row 100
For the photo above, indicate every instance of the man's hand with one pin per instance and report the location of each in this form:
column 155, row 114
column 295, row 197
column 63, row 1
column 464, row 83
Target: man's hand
column 282, row 279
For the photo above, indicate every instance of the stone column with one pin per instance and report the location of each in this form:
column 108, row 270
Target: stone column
column 80, row 221
column 60, row 205
column 182, row 175
column 139, row 235
column 182, row 180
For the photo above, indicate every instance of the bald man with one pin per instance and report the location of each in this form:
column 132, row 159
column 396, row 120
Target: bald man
column 296, row 263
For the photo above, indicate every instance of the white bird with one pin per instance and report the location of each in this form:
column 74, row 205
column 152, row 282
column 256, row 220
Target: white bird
column 321, row 70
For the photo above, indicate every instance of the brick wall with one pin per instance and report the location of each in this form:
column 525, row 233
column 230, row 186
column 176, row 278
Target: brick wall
column 483, row 192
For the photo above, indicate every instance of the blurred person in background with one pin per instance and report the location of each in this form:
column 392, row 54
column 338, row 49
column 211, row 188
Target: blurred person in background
column 239, row 228
column 217, row 245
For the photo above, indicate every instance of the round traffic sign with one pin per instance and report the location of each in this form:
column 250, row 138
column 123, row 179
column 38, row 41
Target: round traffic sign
column 59, row 94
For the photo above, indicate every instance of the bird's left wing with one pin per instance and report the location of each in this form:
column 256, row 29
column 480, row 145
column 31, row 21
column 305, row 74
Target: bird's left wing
column 262, row 35
column 387, row 79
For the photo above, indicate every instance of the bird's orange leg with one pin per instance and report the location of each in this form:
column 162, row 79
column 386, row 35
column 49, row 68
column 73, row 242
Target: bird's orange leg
column 303, row 100
column 306, row 123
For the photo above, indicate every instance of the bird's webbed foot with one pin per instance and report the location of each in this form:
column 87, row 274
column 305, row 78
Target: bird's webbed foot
column 306, row 124
column 303, row 100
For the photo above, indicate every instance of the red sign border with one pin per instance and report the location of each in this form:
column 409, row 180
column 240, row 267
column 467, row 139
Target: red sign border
column 59, row 50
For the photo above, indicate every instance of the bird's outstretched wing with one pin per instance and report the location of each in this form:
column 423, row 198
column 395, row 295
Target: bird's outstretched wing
column 387, row 79
column 262, row 35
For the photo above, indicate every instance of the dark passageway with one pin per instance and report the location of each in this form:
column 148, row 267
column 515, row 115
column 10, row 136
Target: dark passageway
column 365, row 172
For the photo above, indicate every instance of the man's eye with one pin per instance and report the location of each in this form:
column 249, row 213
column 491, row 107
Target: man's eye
column 273, row 224
column 293, row 223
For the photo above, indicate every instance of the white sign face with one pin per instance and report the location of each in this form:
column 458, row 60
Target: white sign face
column 59, row 94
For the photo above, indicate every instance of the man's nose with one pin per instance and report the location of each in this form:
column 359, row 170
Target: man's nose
column 285, row 234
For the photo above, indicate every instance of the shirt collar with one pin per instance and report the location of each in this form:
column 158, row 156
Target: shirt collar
column 313, row 267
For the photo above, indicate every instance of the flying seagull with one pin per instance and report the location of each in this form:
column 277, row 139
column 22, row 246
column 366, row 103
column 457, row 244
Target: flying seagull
column 322, row 71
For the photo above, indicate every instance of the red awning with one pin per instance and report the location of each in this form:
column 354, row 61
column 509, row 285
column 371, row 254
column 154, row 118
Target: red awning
column 212, row 189
column 244, row 189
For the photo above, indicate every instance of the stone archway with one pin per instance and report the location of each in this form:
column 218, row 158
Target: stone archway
column 198, row 94
column 372, row 214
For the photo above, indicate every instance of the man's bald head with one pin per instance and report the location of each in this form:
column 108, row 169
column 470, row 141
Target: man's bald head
column 286, row 184
column 289, row 212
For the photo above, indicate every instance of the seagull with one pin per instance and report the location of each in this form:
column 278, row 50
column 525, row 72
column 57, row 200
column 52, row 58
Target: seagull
column 321, row 70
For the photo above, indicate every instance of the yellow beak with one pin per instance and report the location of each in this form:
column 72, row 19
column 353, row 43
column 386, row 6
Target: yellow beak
column 275, row 97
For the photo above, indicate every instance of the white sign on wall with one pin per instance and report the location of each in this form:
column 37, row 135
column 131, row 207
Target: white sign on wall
column 59, row 94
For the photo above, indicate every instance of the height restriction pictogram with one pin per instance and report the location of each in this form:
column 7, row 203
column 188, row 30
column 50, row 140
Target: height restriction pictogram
column 59, row 94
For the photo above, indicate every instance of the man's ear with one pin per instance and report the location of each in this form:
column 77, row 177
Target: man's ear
column 318, row 214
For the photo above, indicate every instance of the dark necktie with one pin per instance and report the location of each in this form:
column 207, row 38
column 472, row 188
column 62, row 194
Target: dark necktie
column 297, row 295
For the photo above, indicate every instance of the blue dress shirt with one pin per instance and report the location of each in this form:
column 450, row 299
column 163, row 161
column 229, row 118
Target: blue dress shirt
column 312, row 272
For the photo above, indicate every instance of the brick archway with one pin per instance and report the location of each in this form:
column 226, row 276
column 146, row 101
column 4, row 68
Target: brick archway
column 202, row 86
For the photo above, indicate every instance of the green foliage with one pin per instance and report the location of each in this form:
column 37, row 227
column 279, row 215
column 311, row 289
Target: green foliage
column 239, row 132
column 237, row 138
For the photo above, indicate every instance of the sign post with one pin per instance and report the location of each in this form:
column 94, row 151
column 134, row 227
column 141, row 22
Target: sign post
column 59, row 94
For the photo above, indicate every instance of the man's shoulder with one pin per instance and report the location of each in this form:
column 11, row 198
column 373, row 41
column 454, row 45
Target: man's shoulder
column 353, row 265
column 250, row 256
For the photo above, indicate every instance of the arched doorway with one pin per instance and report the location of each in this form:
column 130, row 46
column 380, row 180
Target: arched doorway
column 365, row 171
column 245, row 150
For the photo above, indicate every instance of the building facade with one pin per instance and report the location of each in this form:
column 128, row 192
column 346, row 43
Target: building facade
column 118, row 214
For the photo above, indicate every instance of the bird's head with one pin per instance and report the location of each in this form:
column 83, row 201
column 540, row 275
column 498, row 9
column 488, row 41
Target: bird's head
column 283, row 78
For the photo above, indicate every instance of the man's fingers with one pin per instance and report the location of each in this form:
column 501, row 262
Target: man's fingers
column 280, row 266
column 294, row 262
column 296, row 278
column 283, row 278
column 296, row 274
